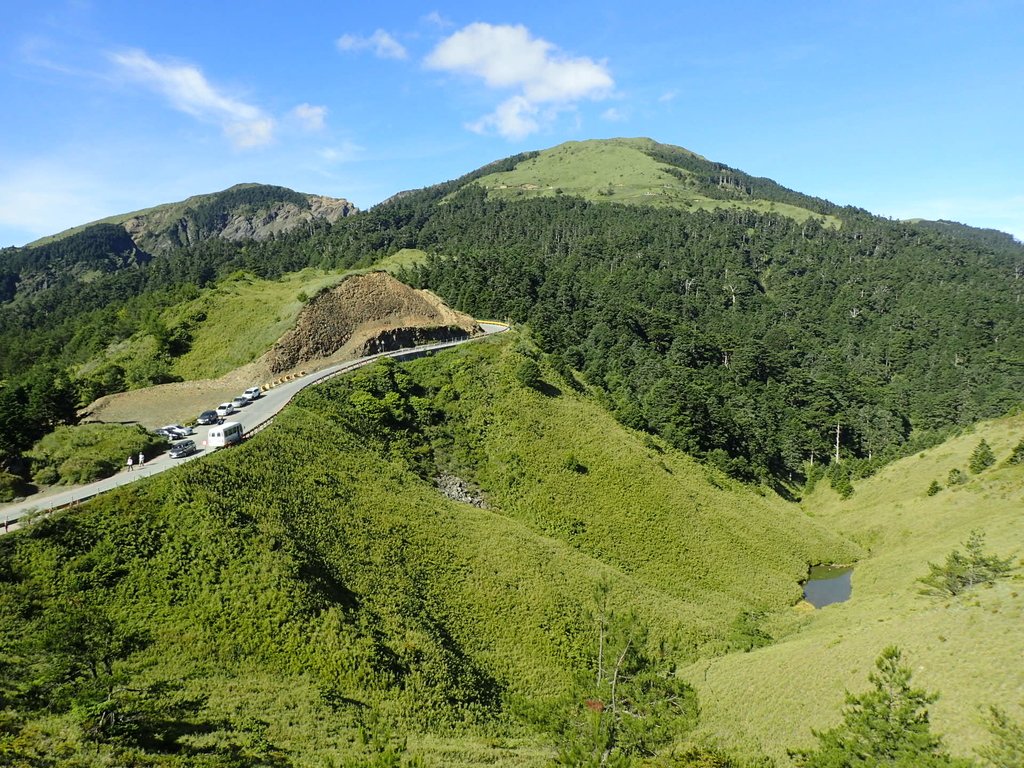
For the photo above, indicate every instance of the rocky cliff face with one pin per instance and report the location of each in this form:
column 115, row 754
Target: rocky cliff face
column 243, row 212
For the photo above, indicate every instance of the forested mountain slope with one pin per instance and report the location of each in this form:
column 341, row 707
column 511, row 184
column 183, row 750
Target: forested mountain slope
column 748, row 333
column 245, row 212
column 747, row 337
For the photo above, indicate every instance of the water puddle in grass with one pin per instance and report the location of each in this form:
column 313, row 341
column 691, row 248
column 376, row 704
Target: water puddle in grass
column 827, row 584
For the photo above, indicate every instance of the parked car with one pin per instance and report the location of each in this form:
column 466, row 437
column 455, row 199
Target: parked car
column 225, row 409
column 252, row 393
column 240, row 402
column 176, row 431
column 207, row 417
column 182, row 449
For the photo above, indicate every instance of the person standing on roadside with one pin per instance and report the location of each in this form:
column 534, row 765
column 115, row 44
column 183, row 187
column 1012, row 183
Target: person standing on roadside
column 129, row 462
column 142, row 459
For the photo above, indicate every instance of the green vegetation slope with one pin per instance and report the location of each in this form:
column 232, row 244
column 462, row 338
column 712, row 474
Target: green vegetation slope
column 968, row 648
column 311, row 598
column 644, row 172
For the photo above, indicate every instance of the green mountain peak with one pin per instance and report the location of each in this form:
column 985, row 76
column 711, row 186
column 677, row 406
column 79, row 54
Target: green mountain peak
column 641, row 171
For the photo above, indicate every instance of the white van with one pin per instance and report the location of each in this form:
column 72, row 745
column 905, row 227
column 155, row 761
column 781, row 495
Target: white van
column 228, row 433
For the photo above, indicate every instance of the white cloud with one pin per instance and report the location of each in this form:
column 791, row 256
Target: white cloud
column 507, row 57
column 188, row 90
column 309, row 117
column 668, row 96
column 435, row 18
column 515, row 118
column 383, row 45
column 343, row 153
column 614, row 115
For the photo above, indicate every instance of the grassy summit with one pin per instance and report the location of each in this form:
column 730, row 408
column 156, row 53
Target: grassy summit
column 640, row 172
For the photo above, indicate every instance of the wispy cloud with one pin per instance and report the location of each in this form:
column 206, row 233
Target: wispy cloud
column 614, row 115
column 342, row 153
column 383, row 45
column 435, row 18
column 44, row 197
column 505, row 57
column 187, row 90
column 310, row 118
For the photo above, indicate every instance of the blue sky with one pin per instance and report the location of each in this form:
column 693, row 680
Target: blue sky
column 904, row 108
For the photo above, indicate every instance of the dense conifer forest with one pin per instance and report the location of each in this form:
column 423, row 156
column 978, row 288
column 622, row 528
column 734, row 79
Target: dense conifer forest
column 745, row 337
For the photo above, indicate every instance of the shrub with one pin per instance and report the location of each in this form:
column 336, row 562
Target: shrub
column 1017, row 457
column 88, row 452
column 843, row 486
column 1006, row 749
column 960, row 572
column 956, row 477
column 11, row 486
column 528, row 374
column 982, row 458
column 934, row 488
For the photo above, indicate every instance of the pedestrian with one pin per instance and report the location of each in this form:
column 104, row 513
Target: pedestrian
column 142, row 459
column 129, row 462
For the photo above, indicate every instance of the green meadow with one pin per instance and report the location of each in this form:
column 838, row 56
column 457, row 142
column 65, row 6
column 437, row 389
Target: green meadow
column 967, row 649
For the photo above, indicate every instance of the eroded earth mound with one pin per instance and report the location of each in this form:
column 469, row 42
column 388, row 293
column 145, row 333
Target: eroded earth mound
column 364, row 314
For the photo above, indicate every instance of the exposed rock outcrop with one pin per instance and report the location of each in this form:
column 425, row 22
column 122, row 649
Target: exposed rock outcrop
column 457, row 489
column 156, row 232
column 363, row 314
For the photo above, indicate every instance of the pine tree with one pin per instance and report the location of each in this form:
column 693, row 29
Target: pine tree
column 886, row 726
column 982, row 458
column 1017, row 457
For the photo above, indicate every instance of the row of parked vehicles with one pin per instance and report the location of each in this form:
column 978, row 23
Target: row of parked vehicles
column 221, row 432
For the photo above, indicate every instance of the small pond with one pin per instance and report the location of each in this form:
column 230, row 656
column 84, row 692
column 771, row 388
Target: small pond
column 827, row 584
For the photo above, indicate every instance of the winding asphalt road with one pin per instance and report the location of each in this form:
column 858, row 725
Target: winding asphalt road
column 254, row 417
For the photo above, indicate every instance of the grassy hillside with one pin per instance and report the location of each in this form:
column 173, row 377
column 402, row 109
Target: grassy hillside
column 234, row 321
column 968, row 649
column 303, row 596
column 621, row 171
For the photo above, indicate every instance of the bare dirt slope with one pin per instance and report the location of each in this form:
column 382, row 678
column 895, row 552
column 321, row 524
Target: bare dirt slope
column 362, row 314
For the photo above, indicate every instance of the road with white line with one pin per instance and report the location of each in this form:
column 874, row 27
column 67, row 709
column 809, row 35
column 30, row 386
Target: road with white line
column 253, row 417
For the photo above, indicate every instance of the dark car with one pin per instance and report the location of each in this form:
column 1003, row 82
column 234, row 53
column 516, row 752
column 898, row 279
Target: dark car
column 182, row 449
column 207, row 418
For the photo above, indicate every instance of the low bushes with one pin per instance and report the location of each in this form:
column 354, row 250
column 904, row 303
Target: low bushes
column 71, row 455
